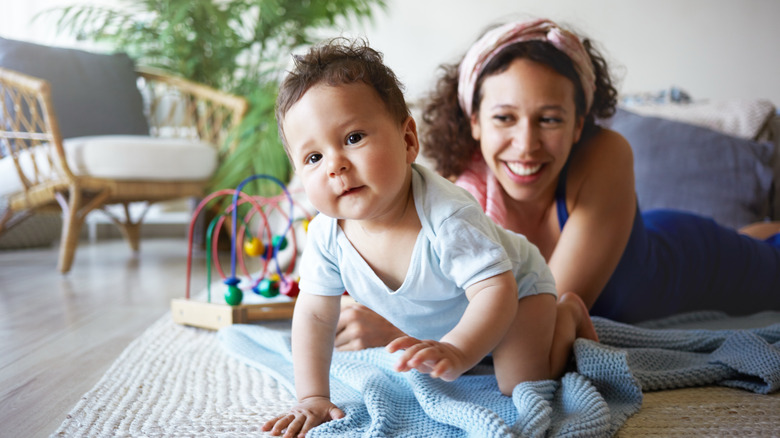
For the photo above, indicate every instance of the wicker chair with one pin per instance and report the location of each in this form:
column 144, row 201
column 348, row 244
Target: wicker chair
column 30, row 136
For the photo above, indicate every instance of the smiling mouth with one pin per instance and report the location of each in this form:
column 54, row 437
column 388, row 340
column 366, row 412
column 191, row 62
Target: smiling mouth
column 521, row 169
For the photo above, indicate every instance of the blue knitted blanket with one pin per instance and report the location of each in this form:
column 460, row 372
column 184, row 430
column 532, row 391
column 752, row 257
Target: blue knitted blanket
column 603, row 388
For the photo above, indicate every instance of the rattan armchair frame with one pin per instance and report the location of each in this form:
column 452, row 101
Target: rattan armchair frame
column 175, row 107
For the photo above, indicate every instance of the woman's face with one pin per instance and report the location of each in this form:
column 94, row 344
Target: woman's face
column 526, row 126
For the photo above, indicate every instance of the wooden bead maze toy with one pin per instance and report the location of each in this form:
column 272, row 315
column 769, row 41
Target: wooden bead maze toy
column 268, row 295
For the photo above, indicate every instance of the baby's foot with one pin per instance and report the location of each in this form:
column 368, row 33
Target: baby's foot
column 585, row 327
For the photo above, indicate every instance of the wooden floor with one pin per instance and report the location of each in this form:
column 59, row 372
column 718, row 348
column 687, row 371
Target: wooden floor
column 60, row 333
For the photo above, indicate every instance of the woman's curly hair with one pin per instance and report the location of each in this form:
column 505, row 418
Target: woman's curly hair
column 445, row 131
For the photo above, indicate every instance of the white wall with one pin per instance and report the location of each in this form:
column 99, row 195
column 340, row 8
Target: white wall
column 710, row 48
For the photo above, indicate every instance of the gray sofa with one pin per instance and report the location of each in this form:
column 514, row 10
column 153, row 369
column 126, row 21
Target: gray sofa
column 720, row 160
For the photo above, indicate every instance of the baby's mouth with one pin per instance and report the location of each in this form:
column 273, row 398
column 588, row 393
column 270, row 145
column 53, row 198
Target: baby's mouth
column 521, row 169
column 351, row 191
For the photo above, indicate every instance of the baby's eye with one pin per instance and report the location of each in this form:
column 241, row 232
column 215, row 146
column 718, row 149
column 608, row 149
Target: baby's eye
column 312, row 158
column 355, row 137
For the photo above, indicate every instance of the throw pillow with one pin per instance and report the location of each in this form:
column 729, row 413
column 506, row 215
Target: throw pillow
column 92, row 93
column 687, row 167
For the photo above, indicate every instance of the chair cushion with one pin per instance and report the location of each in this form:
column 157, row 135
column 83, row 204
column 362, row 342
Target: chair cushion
column 130, row 157
column 123, row 157
column 92, row 94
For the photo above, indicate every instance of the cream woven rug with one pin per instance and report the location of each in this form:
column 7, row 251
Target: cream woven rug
column 178, row 381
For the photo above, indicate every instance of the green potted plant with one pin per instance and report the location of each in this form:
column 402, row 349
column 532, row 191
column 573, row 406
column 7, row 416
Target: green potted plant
column 238, row 46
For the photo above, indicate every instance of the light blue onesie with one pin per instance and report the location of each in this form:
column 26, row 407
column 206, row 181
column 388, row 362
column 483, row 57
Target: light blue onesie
column 457, row 247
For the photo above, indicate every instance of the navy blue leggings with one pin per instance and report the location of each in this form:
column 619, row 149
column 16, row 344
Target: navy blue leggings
column 680, row 262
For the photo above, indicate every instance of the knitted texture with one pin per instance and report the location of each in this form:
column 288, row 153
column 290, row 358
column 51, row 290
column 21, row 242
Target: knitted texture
column 676, row 358
column 594, row 400
column 176, row 381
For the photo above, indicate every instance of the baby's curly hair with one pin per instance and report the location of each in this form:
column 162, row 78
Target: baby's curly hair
column 340, row 61
column 445, row 131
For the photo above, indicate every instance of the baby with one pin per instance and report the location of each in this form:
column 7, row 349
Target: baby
column 405, row 242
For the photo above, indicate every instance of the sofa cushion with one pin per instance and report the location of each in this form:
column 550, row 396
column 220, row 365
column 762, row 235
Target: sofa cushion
column 92, row 94
column 744, row 118
column 122, row 157
column 692, row 168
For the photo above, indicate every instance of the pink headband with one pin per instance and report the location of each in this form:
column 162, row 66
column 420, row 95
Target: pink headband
column 480, row 54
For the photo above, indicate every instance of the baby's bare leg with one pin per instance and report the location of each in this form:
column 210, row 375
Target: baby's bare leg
column 524, row 353
column 539, row 343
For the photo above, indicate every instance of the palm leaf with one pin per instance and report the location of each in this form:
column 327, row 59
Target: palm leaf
column 239, row 46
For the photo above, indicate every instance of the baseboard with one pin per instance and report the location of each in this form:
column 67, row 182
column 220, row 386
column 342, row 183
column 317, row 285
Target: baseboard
column 103, row 231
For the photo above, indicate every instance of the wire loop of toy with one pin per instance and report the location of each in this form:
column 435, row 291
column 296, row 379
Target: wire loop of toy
column 276, row 244
column 241, row 231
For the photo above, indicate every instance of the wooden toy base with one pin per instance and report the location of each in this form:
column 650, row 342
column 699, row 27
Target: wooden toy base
column 214, row 316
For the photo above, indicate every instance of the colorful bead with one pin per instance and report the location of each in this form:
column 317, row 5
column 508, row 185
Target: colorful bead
column 233, row 296
column 289, row 288
column 281, row 241
column 254, row 247
column 267, row 288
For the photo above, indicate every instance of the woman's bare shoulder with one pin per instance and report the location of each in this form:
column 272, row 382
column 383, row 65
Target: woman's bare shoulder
column 606, row 142
column 603, row 162
column 605, row 151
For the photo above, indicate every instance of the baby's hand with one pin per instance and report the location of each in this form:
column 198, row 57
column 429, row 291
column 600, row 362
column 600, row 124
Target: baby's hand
column 307, row 414
column 439, row 359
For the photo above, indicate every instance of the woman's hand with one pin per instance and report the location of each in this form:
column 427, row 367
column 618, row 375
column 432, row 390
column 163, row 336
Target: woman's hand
column 439, row 359
column 360, row 328
column 303, row 417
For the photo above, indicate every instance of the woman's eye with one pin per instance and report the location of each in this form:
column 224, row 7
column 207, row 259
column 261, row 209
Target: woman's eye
column 550, row 120
column 313, row 158
column 503, row 118
column 354, row 138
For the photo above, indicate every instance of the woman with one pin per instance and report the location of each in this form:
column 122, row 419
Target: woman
column 515, row 124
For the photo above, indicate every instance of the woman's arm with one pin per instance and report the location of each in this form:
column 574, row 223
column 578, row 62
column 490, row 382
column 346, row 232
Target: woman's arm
column 601, row 199
column 360, row 327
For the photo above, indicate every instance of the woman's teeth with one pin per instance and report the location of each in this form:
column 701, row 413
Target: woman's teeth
column 522, row 169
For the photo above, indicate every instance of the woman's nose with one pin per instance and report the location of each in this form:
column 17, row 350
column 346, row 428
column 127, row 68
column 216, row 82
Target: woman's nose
column 525, row 138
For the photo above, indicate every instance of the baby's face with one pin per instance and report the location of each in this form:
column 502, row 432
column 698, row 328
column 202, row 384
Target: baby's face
column 352, row 157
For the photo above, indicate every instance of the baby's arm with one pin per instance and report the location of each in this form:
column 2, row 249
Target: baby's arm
column 491, row 310
column 313, row 331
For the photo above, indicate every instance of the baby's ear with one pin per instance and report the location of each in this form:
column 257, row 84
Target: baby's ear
column 411, row 141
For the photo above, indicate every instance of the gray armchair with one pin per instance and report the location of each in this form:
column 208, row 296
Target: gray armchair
column 80, row 131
